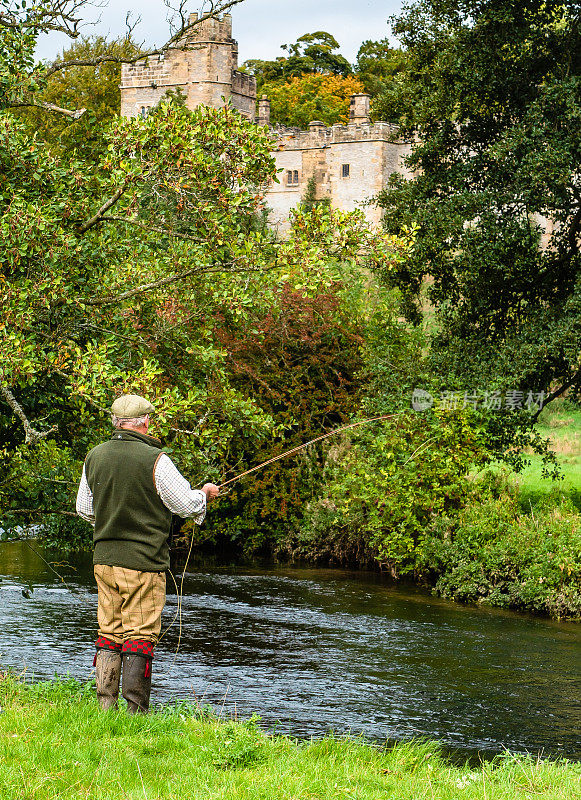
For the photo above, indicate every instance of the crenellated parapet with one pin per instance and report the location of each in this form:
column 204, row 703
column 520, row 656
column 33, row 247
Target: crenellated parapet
column 203, row 64
column 319, row 135
column 346, row 165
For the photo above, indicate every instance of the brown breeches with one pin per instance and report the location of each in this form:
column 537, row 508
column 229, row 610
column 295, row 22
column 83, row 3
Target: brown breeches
column 130, row 603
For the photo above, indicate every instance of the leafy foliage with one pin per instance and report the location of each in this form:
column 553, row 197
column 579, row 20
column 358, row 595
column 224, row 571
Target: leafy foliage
column 311, row 53
column 95, row 89
column 300, row 100
column 496, row 554
column 118, row 260
column 494, row 193
column 378, row 65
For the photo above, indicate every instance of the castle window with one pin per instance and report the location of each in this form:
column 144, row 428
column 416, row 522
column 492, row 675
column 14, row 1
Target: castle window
column 143, row 112
column 345, row 170
column 292, row 177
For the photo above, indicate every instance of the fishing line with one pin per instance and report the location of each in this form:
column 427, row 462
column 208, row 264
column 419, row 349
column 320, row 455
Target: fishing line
column 175, row 616
column 36, row 553
column 181, row 597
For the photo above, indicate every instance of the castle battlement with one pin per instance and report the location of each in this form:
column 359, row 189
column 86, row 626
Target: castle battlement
column 319, row 135
column 244, row 84
column 212, row 29
column 203, row 64
column 347, row 165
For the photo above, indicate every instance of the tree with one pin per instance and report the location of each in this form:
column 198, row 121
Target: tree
column 315, row 52
column 311, row 53
column 324, row 97
column 491, row 96
column 115, row 264
column 93, row 88
column 377, row 66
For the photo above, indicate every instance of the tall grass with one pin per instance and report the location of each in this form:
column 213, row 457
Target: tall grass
column 55, row 743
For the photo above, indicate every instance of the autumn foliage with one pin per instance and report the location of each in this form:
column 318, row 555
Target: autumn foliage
column 301, row 358
column 302, row 99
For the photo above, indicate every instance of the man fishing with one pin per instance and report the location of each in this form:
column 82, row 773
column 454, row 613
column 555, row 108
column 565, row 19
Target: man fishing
column 129, row 490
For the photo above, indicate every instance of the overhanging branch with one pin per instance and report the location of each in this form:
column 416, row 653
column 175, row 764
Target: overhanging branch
column 146, row 226
column 77, row 114
column 106, row 301
column 558, row 392
column 90, row 223
column 41, row 511
column 32, row 436
column 185, row 27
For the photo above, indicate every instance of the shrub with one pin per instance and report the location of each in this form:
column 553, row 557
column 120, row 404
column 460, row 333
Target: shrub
column 496, row 554
column 392, row 483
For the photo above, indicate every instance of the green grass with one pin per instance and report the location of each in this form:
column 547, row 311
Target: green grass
column 561, row 423
column 55, row 743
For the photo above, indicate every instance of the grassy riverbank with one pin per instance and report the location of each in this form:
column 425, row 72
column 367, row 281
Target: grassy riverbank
column 561, row 423
column 55, row 743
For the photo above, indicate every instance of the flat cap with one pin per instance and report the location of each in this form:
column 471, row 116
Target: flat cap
column 130, row 406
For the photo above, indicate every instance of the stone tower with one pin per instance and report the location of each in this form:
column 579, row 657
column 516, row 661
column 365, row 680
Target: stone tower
column 204, row 65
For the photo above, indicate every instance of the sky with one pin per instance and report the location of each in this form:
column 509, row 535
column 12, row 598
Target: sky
column 260, row 26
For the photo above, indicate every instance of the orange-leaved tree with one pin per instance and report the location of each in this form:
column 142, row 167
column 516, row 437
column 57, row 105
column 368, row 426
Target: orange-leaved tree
column 302, row 99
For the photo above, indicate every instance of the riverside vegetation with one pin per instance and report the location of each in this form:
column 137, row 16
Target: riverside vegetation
column 137, row 257
column 186, row 752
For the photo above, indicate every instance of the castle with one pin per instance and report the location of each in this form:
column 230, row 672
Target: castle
column 346, row 164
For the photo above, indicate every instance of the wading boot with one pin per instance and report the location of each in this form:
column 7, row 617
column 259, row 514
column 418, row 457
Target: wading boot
column 107, row 665
column 136, row 686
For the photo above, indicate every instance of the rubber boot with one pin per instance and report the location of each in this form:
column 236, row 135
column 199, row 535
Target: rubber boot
column 136, row 682
column 107, row 675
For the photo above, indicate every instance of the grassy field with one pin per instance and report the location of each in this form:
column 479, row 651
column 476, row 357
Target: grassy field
column 55, row 743
column 561, row 423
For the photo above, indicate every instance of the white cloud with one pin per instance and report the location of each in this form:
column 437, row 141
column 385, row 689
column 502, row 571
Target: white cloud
column 260, row 26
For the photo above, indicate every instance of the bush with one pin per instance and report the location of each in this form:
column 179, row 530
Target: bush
column 389, row 486
column 494, row 553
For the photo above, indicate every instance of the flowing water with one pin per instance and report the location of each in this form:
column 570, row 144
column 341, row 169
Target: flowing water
column 314, row 650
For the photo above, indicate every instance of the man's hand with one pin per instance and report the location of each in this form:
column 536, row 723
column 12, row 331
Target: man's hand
column 211, row 491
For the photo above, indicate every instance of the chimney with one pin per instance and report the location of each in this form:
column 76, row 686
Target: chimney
column 264, row 111
column 193, row 18
column 317, row 127
column 359, row 108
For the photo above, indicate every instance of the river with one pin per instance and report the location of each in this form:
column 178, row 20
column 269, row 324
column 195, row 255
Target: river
column 314, row 650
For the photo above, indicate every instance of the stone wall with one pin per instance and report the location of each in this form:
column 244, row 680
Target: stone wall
column 244, row 94
column 144, row 83
column 350, row 164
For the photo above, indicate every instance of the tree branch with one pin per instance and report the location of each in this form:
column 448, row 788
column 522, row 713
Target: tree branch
column 51, row 107
column 90, row 223
column 39, row 511
column 557, row 393
column 106, row 301
column 57, row 15
column 196, row 430
column 172, row 42
column 32, row 436
column 77, row 114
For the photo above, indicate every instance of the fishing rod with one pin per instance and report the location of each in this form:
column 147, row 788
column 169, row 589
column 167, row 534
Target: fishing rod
column 302, row 447
column 224, row 492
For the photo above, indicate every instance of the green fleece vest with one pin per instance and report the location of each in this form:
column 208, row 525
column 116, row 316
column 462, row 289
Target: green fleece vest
column 132, row 525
